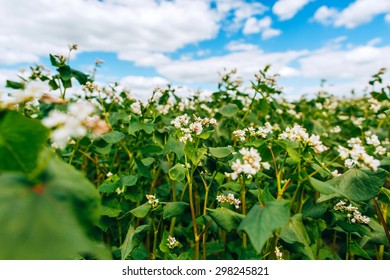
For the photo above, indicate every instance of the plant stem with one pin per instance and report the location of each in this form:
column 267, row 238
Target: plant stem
column 348, row 241
column 192, row 206
column 382, row 219
column 243, row 208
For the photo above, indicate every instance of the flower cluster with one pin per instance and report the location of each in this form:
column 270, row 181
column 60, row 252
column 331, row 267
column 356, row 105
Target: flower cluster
column 357, row 155
column 77, row 122
column 375, row 105
column 152, row 200
column 278, row 254
column 372, row 139
column 299, row 134
column 33, row 91
column 189, row 129
column 250, row 164
column 353, row 213
column 241, row 134
column 229, row 199
column 172, row 242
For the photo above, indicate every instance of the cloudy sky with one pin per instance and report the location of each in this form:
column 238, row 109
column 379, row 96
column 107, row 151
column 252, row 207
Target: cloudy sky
column 145, row 43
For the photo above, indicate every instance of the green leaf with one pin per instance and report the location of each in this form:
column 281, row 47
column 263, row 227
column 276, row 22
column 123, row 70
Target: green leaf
column 194, row 154
column 226, row 218
column 262, row 221
column 55, row 61
column 358, row 250
column 295, row 231
column 175, row 146
column 142, row 169
column 21, row 141
column 173, row 209
column 322, row 187
column 50, row 219
column 129, row 180
column 80, row 76
column 229, row 110
column 135, row 127
column 65, row 72
column 355, row 184
column 234, row 186
column 141, row 211
column 109, row 187
column 164, row 242
column 149, row 150
column 177, row 173
column 14, row 85
column 113, row 137
column 133, row 239
column 221, row 152
column 360, row 229
column 148, row 161
column 110, row 212
column 103, row 150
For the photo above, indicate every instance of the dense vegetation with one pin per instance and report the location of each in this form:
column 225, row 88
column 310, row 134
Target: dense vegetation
column 91, row 172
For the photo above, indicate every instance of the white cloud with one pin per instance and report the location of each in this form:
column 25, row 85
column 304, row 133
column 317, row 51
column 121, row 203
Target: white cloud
column 325, row 15
column 387, row 17
column 287, row 9
column 263, row 26
column 361, row 11
column 239, row 10
column 357, row 63
column 240, row 46
column 35, row 28
column 357, row 13
column 142, row 87
column 247, row 61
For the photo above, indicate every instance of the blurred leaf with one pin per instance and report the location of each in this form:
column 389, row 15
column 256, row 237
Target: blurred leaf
column 14, row 85
column 109, row 187
column 50, row 219
column 221, row 152
column 129, row 180
column 113, row 137
column 21, row 141
column 229, row 110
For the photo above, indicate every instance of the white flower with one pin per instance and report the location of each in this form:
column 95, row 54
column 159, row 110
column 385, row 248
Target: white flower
column 229, row 199
column 239, row 134
column 335, row 173
column 196, row 127
column 380, row 151
column 278, row 254
column 373, row 140
column 375, row 105
column 136, row 108
column 172, row 242
column 336, row 129
column 352, row 212
column 152, row 200
column 350, row 163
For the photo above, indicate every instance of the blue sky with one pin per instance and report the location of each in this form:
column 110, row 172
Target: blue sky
column 145, row 43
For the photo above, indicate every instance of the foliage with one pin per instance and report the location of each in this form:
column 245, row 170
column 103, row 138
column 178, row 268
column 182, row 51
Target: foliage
column 91, row 172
